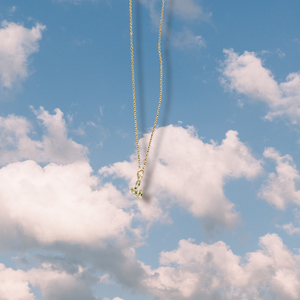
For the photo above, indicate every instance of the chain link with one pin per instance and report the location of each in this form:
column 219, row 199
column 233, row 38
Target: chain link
column 133, row 87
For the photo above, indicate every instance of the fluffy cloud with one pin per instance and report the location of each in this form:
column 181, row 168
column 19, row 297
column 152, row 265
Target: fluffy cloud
column 280, row 189
column 192, row 173
column 214, row 272
column 14, row 285
column 246, row 75
column 58, row 203
column 17, row 43
column 16, row 144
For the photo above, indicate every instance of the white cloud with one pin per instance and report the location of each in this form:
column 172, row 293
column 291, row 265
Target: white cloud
column 185, row 9
column 192, row 173
column 280, row 189
column 17, row 43
column 290, row 228
column 246, row 75
column 14, row 285
column 214, row 272
column 58, row 203
column 186, row 39
column 56, row 145
column 54, row 284
column 16, row 144
column 188, row 10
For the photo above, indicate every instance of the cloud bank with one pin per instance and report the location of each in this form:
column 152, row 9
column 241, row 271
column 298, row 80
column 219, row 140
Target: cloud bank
column 214, row 272
column 83, row 227
column 192, row 271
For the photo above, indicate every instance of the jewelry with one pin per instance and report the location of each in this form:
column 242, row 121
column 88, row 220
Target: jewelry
column 141, row 170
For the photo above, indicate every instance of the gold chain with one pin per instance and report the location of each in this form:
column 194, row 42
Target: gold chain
column 141, row 170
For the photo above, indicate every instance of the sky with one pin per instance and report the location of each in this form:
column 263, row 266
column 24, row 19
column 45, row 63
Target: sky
column 220, row 216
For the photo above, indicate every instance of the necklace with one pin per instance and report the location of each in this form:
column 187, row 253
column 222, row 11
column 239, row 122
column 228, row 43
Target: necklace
column 141, row 170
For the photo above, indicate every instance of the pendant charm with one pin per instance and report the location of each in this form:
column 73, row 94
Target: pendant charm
column 134, row 190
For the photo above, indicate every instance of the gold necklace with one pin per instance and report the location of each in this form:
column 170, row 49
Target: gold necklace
column 141, row 170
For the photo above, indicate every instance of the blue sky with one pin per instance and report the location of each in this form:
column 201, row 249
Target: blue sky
column 220, row 218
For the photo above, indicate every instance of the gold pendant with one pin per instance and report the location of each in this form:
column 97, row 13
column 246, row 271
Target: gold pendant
column 134, row 190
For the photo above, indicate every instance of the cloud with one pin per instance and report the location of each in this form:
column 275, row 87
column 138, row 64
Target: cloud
column 79, row 225
column 16, row 144
column 246, row 75
column 280, row 53
column 58, row 203
column 53, row 284
column 17, row 43
column 60, row 285
column 56, row 145
column 186, row 39
column 214, row 272
column 104, row 279
column 14, row 284
column 12, row 9
column 280, row 189
column 184, row 170
column 192, row 271
column 290, row 228
column 186, row 10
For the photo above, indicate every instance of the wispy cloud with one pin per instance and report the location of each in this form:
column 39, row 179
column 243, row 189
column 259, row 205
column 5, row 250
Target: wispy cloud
column 185, row 9
column 188, row 10
column 186, row 39
column 76, row 2
column 12, row 9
